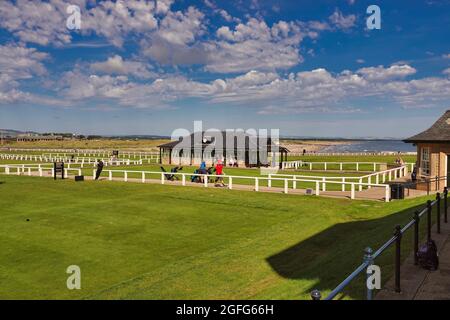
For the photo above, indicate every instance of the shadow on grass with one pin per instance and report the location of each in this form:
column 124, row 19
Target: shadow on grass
column 330, row 256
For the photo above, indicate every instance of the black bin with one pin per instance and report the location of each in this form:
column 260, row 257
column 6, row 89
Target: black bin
column 79, row 178
column 397, row 191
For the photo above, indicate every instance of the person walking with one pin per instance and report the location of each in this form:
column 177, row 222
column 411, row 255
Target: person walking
column 100, row 165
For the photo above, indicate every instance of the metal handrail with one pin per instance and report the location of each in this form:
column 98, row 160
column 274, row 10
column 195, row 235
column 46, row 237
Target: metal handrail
column 369, row 257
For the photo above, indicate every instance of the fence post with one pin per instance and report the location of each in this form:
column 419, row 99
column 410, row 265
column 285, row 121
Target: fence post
column 398, row 235
column 368, row 259
column 162, row 177
column 387, row 195
column 429, row 210
column 183, row 179
column 143, row 177
column 352, row 192
column 438, row 213
column 230, row 183
column 205, row 180
column 256, row 185
column 269, row 181
column 286, row 185
column 316, row 295
column 317, row 188
column 416, row 236
column 445, row 204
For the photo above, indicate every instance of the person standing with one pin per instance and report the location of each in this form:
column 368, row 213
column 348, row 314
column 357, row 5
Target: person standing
column 219, row 172
column 99, row 169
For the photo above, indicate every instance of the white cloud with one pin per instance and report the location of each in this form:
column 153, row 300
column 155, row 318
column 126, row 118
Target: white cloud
column 446, row 71
column 380, row 73
column 18, row 63
column 446, row 56
column 340, row 21
column 308, row 91
column 116, row 65
column 255, row 45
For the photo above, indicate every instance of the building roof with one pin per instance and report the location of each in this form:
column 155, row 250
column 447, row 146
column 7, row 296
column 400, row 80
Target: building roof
column 249, row 140
column 438, row 132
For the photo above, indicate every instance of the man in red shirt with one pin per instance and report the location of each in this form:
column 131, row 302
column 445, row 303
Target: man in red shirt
column 219, row 172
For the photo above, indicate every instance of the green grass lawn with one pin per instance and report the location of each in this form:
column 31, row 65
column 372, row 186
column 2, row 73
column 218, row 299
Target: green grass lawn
column 136, row 241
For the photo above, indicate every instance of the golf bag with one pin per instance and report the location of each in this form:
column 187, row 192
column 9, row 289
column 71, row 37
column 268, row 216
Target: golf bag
column 427, row 256
column 171, row 177
column 195, row 178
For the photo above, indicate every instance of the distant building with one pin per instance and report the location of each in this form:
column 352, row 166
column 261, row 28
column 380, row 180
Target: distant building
column 244, row 149
column 433, row 152
column 36, row 137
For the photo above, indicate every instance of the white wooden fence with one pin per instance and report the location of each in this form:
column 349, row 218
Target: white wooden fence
column 27, row 169
column 83, row 161
column 327, row 165
column 288, row 183
column 369, row 180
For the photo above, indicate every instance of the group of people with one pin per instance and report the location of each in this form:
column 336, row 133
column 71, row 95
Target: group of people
column 201, row 173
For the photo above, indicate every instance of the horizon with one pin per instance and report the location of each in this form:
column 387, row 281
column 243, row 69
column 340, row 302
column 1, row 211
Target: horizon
column 311, row 69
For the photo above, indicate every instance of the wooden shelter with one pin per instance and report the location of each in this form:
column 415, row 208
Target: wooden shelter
column 246, row 150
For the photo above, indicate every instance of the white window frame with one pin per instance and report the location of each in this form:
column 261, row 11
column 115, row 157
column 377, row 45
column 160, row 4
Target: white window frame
column 424, row 161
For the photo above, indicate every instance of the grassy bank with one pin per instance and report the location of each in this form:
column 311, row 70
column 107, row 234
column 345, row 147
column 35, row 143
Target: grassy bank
column 137, row 241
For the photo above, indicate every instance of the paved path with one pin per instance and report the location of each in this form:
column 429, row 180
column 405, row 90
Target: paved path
column 419, row 284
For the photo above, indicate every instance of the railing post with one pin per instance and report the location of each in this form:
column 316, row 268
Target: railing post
column 398, row 241
column 286, row 185
column 230, row 183
column 205, row 181
column 368, row 259
column 256, row 185
column 438, row 212
column 317, row 188
column 316, row 295
column 269, row 181
column 416, row 236
column 429, row 209
column 445, row 204
column 183, row 179
column 352, row 191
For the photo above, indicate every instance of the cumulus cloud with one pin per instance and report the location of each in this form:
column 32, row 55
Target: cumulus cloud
column 118, row 66
column 308, row 91
column 255, row 45
column 381, row 73
column 18, row 63
column 340, row 21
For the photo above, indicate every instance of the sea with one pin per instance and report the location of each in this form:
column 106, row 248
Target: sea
column 372, row 146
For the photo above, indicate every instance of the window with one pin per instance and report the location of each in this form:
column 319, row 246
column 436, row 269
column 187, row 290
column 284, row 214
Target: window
column 425, row 161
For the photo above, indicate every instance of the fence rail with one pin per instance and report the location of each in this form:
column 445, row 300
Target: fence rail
column 376, row 178
column 75, row 160
column 370, row 256
column 287, row 184
column 366, row 153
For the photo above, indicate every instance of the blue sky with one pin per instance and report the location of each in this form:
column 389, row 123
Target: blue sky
column 308, row 68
